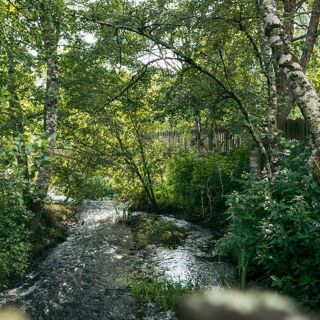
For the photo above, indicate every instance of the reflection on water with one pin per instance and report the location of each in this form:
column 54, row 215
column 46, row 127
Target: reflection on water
column 83, row 277
column 191, row 262
column 87, row 276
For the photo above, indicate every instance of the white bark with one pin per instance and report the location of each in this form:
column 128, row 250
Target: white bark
column 311, row 35
column 50, row 122
column 302, row 88
column 50, row 33
column 268, row 64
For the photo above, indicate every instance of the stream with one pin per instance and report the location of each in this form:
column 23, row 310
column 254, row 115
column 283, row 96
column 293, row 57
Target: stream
column 88, row 275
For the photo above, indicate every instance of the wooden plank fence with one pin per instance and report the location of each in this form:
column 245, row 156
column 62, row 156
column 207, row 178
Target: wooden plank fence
column 296, row 129
column 223, row 140
column 219, row 139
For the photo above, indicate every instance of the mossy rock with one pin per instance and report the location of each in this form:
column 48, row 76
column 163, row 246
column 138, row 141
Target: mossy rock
column 151, row 230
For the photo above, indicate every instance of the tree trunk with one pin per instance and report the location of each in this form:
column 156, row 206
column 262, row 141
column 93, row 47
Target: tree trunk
column 290, row 9
column 302, row 89
column 311, row 35
column 273, row 132
column 51, row 33
column 255, row 160
column 198, row 131
column 146, row 168
column 210, row 136
column 289, row 12
column 135, row 171
column 286, row 99
column 50, row 123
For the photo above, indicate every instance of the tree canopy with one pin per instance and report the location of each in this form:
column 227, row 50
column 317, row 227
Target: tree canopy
column 167, row 103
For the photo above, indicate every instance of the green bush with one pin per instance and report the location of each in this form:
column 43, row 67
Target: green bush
column 15, row 192
column 14, row 230
column 200, row 182
column 94, row 188
column 275, row 229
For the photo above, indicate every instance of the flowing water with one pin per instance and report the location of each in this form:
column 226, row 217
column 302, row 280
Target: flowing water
column 87, row 276
column 191, row 262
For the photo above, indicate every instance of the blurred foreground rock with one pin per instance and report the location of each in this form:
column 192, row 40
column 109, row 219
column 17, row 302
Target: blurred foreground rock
column 11, row 313
column 241, row 305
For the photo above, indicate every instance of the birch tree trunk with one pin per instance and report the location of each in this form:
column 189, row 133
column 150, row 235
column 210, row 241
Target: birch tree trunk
column 50, row 34
column 312, row 35
column 50, row 123
column 198, row 132
column 255, row 160
column 291, row 7
column 269, row 70
column 308, row 46
column 302, row 88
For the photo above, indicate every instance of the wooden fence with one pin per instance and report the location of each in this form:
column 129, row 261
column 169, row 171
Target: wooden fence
column 219, row 139
column 223, row 140
column 296, row 129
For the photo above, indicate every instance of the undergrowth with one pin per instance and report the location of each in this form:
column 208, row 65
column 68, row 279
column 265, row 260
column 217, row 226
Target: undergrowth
column 274, row 234
column 53, row 227
column 160, row 232
column 165, row 293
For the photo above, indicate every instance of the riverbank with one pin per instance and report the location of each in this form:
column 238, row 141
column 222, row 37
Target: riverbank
column 177, row 259
column 57, row 218
column 33, row 246
column 93, row 273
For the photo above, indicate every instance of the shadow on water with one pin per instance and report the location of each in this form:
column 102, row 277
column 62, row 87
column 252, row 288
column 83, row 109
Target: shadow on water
column 87, row 276
column 190, row 262
column 83, row 277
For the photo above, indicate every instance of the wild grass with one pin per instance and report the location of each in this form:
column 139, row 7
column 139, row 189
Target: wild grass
column 165, row 293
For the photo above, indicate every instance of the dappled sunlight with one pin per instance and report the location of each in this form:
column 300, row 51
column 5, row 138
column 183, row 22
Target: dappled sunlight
column 151, row 149
column 188, row 263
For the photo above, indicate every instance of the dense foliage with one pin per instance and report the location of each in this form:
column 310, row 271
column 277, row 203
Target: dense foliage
column 274, row 233
column 162, row 104
column 200, row 182
column 83, row 187
column 14, row 230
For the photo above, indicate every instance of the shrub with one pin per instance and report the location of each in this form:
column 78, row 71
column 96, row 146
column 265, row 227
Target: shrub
column 275, row 229
column 97, row 188
column 94, row 188
column 16, row 193
column 200, row 182
column 14, row 230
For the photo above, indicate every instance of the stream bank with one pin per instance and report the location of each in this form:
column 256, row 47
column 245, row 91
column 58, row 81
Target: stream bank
column 88, row 276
